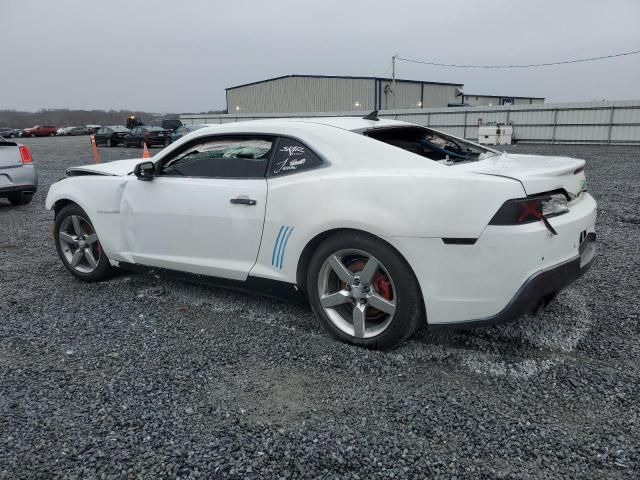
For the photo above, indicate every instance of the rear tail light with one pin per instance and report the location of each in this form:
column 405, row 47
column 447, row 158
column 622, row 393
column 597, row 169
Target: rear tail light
column 532, row 209
column 25, row 155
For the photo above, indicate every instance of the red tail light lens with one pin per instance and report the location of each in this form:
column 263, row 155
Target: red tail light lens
column 532, row 209
column 25, row 155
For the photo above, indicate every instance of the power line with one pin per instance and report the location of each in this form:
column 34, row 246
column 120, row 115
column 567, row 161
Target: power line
column 591, row 59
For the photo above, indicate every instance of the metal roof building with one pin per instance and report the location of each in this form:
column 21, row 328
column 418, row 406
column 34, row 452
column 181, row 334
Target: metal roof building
column 323, row 93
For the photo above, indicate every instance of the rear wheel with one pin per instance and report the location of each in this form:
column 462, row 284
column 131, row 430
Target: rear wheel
column 20, row 198
column 141, row 143
column 363, row 291
column 78, row 245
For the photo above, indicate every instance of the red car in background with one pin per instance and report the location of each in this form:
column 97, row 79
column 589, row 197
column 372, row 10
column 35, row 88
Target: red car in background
column 39, row 131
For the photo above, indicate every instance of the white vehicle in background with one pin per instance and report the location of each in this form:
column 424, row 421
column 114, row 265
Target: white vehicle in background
column 61, row 132
column 381, row 224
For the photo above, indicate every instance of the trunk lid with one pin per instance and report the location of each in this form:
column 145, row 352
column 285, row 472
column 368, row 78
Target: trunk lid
column 9, row 154
column 536, row 173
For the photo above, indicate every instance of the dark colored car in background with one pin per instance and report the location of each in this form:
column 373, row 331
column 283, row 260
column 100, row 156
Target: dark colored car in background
column 40, row 131
column 9, row 132
column 166, row 123
column 185, row 129
column 149, row 135
column 111, row 136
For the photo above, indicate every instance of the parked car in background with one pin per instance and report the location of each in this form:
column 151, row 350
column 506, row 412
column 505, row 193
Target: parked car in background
column 18, row 176
column 79, row 131
column 147, row 134
column 111, row 136
column 186, row 129
column 9, row 132
column 63, row 131
column 40, row 131
column 383, row 225
column 166, row 123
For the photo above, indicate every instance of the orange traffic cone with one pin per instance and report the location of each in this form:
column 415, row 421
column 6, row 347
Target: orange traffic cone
column 145, row 151
column 94, row 148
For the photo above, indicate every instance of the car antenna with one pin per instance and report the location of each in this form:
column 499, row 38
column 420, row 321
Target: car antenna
column 372, row 116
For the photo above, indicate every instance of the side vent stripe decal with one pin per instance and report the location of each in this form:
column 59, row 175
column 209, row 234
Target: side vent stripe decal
column 286, row 239
column 279, row 252
column 275, row 246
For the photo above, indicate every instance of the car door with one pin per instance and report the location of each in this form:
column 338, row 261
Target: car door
column 204, row 210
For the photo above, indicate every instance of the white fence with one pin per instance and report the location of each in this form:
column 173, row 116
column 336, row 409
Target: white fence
column 586, row 123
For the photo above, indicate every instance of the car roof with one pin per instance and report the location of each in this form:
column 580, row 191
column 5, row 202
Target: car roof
column 344, row 123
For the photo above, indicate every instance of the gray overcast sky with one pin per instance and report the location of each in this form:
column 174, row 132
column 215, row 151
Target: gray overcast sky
column 179, row 56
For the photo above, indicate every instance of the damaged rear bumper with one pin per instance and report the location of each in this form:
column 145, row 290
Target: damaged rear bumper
column 540, row 287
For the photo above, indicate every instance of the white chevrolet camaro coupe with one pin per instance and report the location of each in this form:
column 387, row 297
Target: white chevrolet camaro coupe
column 380, row 224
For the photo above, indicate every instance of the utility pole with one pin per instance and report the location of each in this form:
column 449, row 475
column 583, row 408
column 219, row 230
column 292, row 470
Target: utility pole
column 393, row 71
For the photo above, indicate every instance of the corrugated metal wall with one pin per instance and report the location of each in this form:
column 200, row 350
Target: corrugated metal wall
column 595, row 122
column 328, row 94
column 484, row 100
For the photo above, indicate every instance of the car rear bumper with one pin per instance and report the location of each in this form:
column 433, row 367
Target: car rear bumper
column 539, row 289
column 479, row 281
column 158, row 140
column 18, row 179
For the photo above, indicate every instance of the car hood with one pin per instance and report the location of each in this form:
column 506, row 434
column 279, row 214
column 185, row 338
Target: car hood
column 117, row 168
column 536, row 173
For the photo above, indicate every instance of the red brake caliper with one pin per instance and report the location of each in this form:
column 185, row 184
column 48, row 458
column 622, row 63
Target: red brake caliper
column 383, row 286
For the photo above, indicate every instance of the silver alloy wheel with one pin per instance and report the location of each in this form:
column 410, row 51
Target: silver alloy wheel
column 79, row 244
column 357, row 293
column 109, row 142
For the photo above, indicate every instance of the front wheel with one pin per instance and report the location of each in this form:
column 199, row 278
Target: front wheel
column 109, row 142
column 363, row 291
column 78, row 245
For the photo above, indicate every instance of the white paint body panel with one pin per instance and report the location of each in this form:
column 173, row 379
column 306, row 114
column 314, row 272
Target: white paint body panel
column 409, row 201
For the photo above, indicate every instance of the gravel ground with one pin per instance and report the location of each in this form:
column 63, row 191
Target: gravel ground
column 144, row 376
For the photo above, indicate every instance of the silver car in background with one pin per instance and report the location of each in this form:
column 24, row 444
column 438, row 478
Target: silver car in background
column 18, row 176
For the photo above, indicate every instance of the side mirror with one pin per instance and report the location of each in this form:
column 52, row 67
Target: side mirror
column 145, row 171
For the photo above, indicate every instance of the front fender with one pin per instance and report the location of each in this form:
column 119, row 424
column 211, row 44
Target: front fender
column 99, row 196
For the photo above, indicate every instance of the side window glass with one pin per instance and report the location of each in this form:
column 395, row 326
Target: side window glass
column 292, row 156
column 233, row 157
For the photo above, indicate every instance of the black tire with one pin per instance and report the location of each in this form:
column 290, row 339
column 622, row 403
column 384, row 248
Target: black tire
column 103, row 270
column 52, row 134
column 20, row 198
column 167, row 142
column 109, row 142
column 142, row 144
column 409, row 309
column 33, row 135
column 124, row 143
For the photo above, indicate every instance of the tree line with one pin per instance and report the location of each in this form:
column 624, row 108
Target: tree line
column 70, row 118
column 62, row 117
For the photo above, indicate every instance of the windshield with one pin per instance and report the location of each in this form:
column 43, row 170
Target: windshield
column 428, row 143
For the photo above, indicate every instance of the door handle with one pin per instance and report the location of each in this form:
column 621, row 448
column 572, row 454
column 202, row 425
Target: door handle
column 243, row 201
